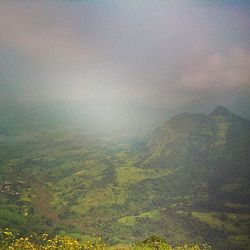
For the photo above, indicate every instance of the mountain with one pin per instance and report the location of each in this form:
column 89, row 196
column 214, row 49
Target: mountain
column 219, row 141
column 211, row 151
column 187, row 181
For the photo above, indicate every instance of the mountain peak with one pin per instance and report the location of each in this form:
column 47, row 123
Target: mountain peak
column 221, row 110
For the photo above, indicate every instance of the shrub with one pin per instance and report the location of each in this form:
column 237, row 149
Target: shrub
column 10, row 241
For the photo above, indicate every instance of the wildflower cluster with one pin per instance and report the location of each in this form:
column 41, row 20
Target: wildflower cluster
column 10, row 241
column 159, row 243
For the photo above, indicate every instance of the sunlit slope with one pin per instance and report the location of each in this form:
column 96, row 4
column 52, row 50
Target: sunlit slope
column 188, row 181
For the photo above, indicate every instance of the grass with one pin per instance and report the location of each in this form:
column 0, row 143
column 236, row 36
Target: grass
column 236, row 205
column 130, row 175
column 127, row 175
column 230, row 187
column 152, row 214
column 232, row 222
column 128, row 220
column 131, row 220
column 214, row 221
column 96, row 198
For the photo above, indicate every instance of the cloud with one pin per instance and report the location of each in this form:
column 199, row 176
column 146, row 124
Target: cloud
column 219, row 71
column 156, row 52
column 42, row 31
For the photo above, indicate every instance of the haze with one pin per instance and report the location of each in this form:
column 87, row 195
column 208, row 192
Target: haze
column 125, row 64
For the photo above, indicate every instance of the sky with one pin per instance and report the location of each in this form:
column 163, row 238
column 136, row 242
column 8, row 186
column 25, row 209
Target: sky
column 171, row 55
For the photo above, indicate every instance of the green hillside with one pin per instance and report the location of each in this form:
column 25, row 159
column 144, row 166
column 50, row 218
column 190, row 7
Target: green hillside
column 188, row 181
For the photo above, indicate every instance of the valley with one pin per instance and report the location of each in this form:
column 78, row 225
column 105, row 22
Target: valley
column 188, row 181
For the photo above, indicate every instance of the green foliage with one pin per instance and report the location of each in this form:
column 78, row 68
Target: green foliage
column 10, row 241
column 188, row 181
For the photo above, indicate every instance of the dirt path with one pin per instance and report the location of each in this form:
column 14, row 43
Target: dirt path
column 42, row 202
column 43, row 206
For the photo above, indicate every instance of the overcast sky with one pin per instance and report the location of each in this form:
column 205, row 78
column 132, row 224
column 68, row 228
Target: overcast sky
column 172, row 54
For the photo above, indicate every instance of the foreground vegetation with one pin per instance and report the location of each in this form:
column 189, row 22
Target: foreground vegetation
column 10, row 241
